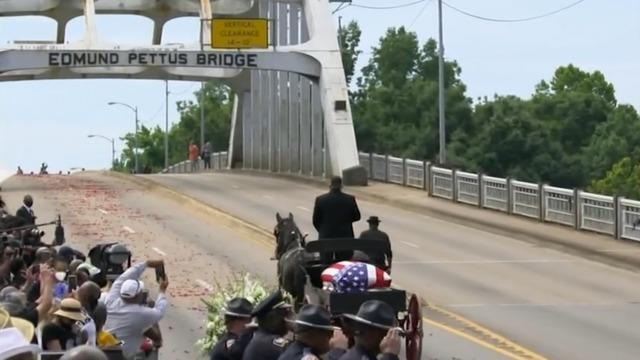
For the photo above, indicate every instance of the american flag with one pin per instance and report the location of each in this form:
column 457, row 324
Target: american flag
column 353, row 277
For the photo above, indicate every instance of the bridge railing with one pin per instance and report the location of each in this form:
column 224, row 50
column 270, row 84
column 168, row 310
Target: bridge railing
column 612, row 215
column 219, row 161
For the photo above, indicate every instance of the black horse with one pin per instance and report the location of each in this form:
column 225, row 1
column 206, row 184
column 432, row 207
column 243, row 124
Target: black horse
column 290, row 255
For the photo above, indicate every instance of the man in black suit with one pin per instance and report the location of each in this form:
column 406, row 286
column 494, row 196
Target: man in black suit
column 333, row 215
column 26, row 212
column 379, row 259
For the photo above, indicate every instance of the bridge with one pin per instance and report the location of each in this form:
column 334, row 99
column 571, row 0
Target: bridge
column 500, row 263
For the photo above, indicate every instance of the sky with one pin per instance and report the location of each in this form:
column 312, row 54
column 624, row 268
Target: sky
column 48, row 121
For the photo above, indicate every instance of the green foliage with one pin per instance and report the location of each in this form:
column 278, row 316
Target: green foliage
column 349, row 40
column 236, row 286
column 623, row 179
column 217, row 106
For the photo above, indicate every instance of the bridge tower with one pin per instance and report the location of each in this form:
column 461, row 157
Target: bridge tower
column 291, row 112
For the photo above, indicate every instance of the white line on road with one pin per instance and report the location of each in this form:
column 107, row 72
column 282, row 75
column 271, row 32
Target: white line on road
column 204, row 284
column 520, row 261
column 268, row 197
column 303, row 208
column 162, row 253
column 410, row 244
column 235, row 186
column 128, row 229
column 568, row 304
column 103, row 211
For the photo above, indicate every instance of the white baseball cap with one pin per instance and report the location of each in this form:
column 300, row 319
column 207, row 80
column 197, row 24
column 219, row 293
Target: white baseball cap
column 130, row 288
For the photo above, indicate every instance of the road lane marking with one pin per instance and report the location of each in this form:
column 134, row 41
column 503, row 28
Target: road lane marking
column 303, row 208
column 105, row 212
column 506, row 347
column 268, row 197
column 235, row 186
column 128, row 229
column 162, row 253
column 618, row 250
column 462, row 262
column 204, row 284
column 410, row 244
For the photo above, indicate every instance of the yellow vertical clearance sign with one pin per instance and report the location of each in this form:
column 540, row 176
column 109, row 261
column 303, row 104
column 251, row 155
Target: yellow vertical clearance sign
column 239, row 33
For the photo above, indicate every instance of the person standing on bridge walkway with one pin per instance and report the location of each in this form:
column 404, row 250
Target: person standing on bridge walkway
column 206, row 155
column 194, row 153
column 334, row 214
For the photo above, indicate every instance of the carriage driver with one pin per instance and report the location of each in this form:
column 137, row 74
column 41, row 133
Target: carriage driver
column 376, row 334
column 268, row 342
column 232, row 344
column 315, row 336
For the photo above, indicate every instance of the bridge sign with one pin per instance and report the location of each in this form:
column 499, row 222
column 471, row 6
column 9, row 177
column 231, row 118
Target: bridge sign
column 239, row 33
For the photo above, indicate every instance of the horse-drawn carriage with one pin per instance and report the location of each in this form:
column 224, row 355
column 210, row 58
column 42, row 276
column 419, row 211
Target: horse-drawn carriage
column 300, row 268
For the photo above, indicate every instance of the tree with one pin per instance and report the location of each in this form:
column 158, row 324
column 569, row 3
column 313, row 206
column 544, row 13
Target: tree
column 349, row 40
column 217, row 105
column 623, row 179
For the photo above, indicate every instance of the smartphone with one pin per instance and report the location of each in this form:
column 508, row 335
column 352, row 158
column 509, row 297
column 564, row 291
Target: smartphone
column 145, row 297
column 73, row 282
column 160, row 274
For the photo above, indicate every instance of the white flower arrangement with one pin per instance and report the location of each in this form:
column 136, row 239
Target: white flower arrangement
column 238, row 285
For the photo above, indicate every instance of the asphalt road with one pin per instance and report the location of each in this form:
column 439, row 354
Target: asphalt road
column 555, row 303
column 199, row 250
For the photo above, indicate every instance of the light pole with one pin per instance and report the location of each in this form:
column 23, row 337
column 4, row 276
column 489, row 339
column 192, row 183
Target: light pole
column 113, row 147
column 135, row 137
column 441, row 102
column 166, row 125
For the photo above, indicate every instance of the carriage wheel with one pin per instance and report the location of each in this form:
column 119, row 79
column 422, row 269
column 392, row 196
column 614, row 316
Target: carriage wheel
column 413, row 328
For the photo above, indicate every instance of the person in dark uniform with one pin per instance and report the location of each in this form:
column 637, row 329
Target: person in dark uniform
column 232, row 344
column 333, row 215
column 268, row 342
column 376, row 334
column 373, row 233
column 313, row 336
column 26, row 212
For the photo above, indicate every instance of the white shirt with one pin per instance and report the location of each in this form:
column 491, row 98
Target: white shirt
column 89, row 328
column 128, row 322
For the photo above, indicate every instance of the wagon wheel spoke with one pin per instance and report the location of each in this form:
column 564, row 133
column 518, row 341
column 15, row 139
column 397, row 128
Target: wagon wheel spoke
column 413, row 329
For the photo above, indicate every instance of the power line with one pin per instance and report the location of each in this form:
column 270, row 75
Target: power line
column 388, row 7
column 536, row 17
column 420, row 13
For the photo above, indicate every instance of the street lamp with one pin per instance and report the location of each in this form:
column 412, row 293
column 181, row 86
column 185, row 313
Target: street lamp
column 135, row 137
column 113, row 147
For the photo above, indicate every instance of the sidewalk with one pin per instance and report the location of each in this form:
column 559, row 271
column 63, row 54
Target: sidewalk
column 598, row 247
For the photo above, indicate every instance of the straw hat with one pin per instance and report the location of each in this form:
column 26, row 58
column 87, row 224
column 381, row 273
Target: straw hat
column 71, row 309
column 25, row 327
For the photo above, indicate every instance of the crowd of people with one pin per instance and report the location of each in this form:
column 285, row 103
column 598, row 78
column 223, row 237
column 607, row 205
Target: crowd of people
column 56, row 301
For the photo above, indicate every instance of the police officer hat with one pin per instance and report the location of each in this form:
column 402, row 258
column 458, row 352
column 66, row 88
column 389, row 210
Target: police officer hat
column 373, row 220
column 239, row 307
column 271, row 302
column 313, row 316
column 375, row 313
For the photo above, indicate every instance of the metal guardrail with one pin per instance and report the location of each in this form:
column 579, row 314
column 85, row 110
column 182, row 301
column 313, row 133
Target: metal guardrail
column 219, row 161
column 611, row 215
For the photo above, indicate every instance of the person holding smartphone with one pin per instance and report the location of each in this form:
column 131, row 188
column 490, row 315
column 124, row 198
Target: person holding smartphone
column 376, row 331
column 128, row 318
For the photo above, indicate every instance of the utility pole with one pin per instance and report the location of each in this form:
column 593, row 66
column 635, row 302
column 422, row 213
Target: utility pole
column 166, row 125
column 340, row 31
column 136, row 143
column 441, row 103
column 202, row 86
